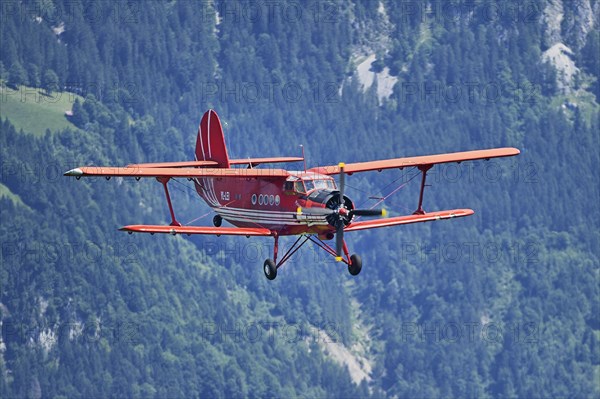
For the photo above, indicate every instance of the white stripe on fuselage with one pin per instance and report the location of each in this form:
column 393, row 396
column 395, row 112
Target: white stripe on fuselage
column 267, row 222
column 273, row 217
column 208, row 194
column 209, row 149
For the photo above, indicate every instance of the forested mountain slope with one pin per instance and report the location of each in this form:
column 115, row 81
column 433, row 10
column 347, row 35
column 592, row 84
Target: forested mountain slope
column 504, row 303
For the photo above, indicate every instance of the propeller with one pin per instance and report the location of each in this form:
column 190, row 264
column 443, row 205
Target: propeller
column 342, row 211
column 345, row 215
column 340, row 216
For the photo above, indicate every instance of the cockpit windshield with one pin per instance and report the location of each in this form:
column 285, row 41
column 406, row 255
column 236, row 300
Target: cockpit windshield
column 320, row 184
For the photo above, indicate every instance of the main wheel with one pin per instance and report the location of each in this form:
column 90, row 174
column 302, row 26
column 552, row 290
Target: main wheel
column 355, row 265
column 270, row 269
column 217, row 220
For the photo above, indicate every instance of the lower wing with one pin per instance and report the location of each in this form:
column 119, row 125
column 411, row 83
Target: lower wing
column 189, row 230
column 394, row 221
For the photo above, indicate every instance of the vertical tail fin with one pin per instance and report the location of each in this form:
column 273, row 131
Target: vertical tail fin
column 210, row 144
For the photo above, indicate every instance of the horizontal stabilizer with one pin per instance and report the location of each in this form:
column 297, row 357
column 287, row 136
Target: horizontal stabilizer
column 408, row 219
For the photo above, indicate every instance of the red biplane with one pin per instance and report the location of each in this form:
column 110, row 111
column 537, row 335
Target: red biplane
column 277, row 202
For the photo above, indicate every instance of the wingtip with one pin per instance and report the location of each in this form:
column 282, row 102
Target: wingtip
column 128, row 229
column 74, row 172
column 465, row 212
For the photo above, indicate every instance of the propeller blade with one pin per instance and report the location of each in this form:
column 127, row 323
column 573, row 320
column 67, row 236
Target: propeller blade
column 340, row 224
column 368, row 212
column 339, row 239
column 342, row 182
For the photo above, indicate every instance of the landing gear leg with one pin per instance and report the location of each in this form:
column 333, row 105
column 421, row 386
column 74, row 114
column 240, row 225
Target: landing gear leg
column 354, row 262
column 270, row 265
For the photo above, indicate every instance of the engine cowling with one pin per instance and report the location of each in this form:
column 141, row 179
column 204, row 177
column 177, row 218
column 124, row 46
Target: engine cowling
column 330, row 200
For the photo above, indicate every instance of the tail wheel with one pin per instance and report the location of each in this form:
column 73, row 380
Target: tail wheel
column 217, row 220
column 270, row 269
column 355, row 265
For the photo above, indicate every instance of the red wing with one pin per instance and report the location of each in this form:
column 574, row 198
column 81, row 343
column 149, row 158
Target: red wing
column 419, row 161
column 428, row 217
column 203, row 164
column 256, row 161
column 109, row 171
column 226, row 231
column 184, row 164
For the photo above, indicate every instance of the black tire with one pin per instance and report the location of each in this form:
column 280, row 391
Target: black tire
column 356, row 265
column 217, row 220
column 270, row 269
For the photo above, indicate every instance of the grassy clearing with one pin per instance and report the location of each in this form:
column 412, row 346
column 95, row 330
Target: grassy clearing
column 33, row 111
column 5, row 192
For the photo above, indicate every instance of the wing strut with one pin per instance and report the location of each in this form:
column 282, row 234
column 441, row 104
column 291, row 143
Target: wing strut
column 164, row 181
column 423, row 169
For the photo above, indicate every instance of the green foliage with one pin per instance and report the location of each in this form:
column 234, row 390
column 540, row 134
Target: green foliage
column 80, row 116
column 89, row 312
column 50, row 81
column 17, row 75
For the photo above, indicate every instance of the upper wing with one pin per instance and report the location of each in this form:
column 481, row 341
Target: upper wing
column 203, row 164
column 256, row 161
column 137, row 172
column 418, row 161
column 183, row 164
column 230, row 231
column 428, row 217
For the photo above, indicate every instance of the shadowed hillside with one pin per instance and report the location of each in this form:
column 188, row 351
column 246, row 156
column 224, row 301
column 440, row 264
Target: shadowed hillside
column 503, row 303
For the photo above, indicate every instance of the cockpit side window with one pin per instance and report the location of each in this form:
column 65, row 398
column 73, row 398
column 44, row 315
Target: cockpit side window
column 299, row 187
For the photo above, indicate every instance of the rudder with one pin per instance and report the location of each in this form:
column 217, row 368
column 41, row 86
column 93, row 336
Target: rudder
column 210, row 144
